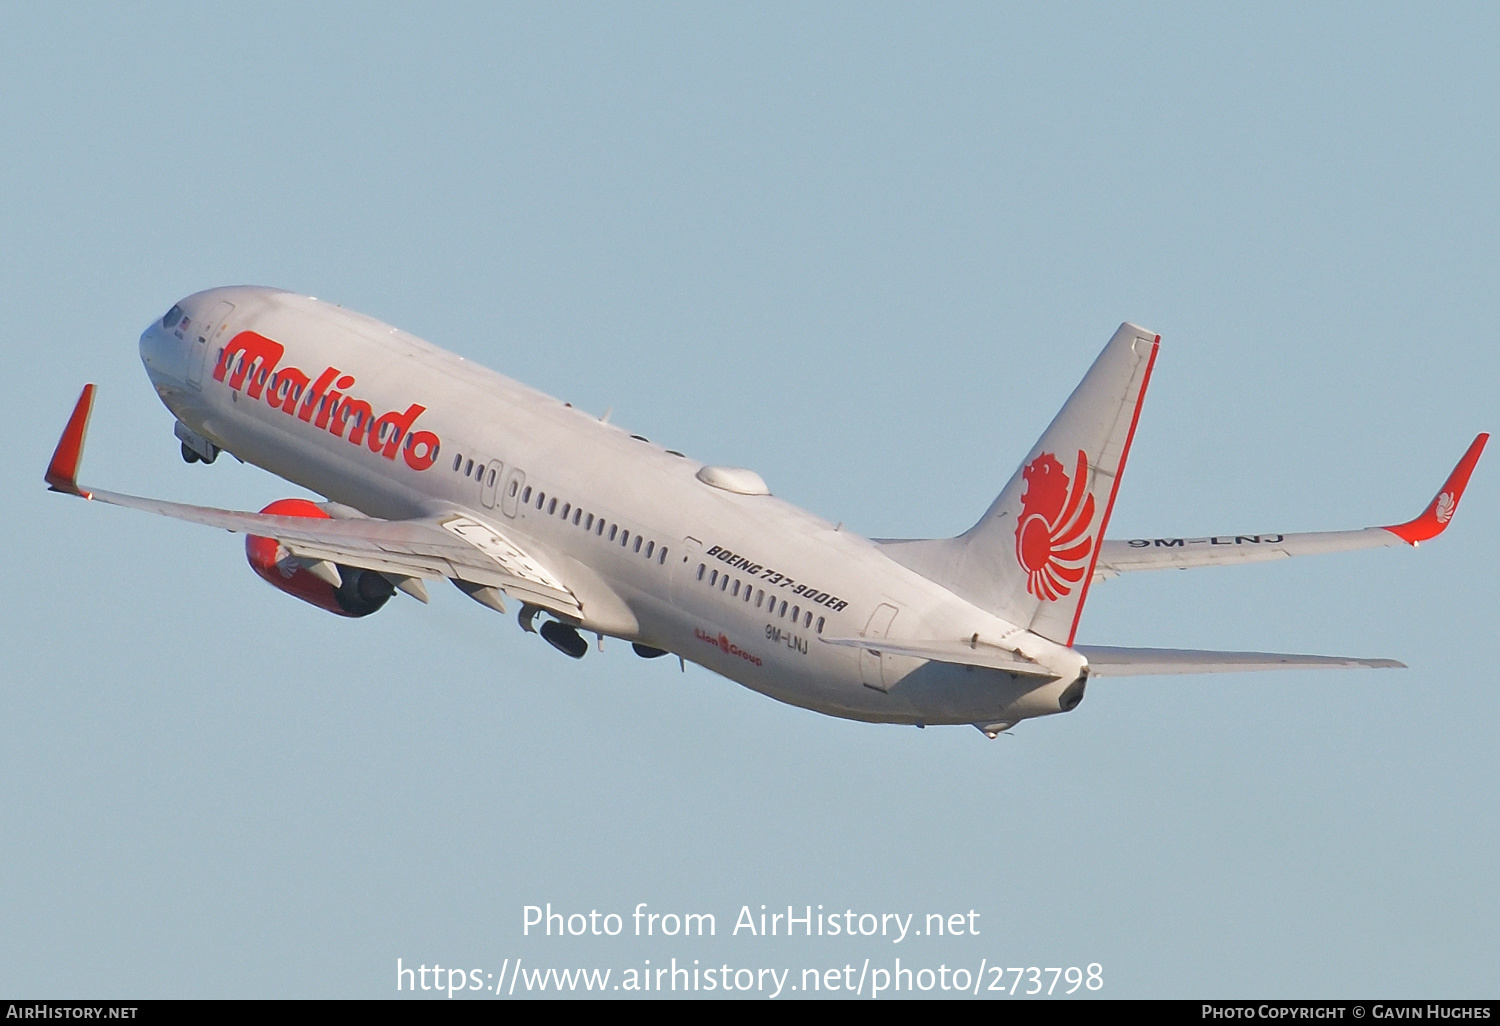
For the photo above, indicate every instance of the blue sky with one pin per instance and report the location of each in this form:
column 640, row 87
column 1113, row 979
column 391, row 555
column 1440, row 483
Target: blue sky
column 867, row 250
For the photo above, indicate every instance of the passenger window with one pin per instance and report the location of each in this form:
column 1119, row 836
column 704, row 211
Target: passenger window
column 492, row 477
column 567, row 508
column 735, row 591
column 624, row 538
column 724, row 583
column 637, row 544
column 458, row 459
column 552, row 507
column 807, row 618
column 760, row 596
column 526, row 495
column 577, row 516
column 701, row 568
column 662, row 558
column 541, row 499
column 599, row 528
column 713, row 578
column 469, row 469
column 795, row 611
column 783, row 608
column 613, row 528
column 820, row 625
column 649, row 546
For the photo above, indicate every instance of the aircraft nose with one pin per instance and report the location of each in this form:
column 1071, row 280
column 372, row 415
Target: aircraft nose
column 162, row 351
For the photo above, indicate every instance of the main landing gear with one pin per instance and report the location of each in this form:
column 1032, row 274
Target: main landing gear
column 564, row 638
column 558, row 634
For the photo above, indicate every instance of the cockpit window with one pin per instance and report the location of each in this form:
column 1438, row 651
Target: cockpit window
column 173, row 316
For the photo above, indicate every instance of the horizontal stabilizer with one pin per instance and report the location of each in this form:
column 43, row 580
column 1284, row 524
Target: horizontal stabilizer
column 1105, row 661
column 961, row 653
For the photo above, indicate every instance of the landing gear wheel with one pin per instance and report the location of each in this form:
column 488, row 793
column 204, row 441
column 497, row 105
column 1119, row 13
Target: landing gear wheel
column 565, row 639
column 191, row 455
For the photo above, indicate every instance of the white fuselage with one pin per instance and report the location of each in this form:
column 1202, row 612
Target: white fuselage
column 743, row 584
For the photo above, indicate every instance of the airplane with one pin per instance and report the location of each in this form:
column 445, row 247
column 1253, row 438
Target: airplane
column 433, row 467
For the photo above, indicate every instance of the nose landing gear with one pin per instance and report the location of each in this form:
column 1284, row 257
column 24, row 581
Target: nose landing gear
column 195, row 448
column 191, row 455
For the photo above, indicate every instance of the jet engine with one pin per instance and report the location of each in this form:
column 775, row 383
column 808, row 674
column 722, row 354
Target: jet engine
column 345, row 590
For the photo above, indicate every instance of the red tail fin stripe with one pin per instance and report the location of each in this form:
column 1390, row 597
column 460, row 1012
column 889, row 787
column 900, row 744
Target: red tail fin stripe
column 1114, row 490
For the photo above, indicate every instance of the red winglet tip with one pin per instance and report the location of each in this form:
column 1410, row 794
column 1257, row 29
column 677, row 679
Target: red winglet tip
column 1437, row 514
column 62, row 472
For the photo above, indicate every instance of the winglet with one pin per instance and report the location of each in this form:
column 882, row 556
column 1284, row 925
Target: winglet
column 62, row 472
column 1437, row 514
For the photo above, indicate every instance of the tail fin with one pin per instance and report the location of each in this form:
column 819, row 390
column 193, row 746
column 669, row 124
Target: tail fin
column 1031, row 556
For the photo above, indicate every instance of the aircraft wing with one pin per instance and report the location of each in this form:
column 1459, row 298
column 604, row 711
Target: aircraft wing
column 1118, row 557
column 1105, row 661
column 452, row 545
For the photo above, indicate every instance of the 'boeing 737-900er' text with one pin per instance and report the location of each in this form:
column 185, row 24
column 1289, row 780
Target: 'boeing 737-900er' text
column 432, row 467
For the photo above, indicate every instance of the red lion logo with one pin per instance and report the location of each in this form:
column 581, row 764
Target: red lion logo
column 1052, row 542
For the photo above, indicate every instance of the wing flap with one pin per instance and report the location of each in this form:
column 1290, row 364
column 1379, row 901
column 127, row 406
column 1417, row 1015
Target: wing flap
column 455, row 545
column 432, row 548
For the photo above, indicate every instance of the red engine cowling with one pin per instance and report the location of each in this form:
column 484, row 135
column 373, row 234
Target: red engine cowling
column 361, row 593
